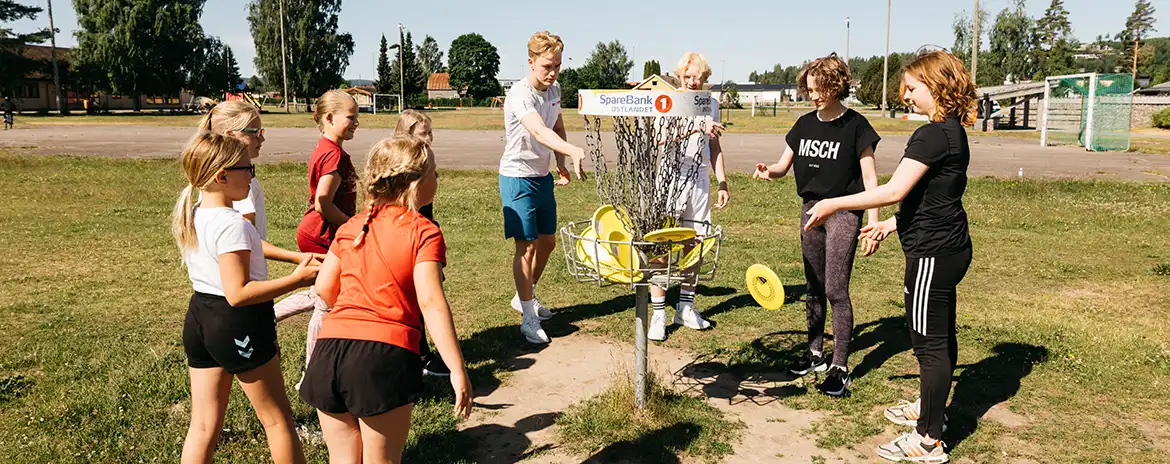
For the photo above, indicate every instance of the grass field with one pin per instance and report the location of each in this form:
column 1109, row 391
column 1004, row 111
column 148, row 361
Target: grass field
column 1062, row 318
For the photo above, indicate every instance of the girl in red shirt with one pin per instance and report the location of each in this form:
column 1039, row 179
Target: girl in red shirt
column 382, row 274
column 332, row 200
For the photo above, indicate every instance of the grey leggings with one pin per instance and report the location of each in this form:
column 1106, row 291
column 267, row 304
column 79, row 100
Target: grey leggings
column 828, row 263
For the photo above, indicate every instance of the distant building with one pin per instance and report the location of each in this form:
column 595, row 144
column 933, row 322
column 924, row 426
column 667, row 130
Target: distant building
column 439, row 86
column 657, row 82
column 507, row 83
column 760, row 93
column 39, row 93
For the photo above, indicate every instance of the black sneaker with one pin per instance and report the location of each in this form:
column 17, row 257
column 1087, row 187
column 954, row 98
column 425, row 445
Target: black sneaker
column 433, row 365
column 810, row 363
column 836, row 383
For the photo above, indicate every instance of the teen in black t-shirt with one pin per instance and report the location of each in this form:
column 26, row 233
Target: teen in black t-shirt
column 831, row 151
column 932, row 224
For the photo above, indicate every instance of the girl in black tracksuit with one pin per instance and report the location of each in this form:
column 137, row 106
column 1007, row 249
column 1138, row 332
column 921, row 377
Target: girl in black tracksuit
column 932, row 224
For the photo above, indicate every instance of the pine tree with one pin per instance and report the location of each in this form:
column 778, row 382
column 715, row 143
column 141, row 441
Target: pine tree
column 386, row 82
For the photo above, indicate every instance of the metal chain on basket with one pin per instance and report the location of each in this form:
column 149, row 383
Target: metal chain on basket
column 651, row 170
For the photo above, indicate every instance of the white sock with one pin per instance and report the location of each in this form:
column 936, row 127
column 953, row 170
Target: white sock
column 846, row 369
column 528, row 308
column 686, row 297
column 816, row 353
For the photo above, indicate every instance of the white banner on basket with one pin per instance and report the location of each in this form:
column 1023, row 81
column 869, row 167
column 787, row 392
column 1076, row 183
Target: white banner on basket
column 643, row 103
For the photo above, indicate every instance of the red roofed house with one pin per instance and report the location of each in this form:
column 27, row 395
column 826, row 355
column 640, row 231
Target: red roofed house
column 439, row 86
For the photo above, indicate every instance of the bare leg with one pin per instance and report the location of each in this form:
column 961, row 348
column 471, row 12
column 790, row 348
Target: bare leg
column 210, row 389
column 264, row 386
column 384, row 435
column 343, row 437
column 524, row 268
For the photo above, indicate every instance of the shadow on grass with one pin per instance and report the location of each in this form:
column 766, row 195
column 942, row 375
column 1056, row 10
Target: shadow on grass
column 757, row 372
column 890, row 335
column 984, row 384
column 497, row 443
column 659, row 446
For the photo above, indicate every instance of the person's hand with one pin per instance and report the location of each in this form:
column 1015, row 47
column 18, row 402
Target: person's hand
column 316, row 257
column 869, row 246
column 578, row 156
column 462, row 387
column 762, row 172
column 878, row 231
column 713, row 129
column 819, row 213
column 562, row 176
column 306, row 271
column 724, row 195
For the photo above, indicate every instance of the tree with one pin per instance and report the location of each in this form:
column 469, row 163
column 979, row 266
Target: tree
column 778, row 75
column 231, row 69
column 256, row 84
column 651, row 68
column 730, row 95
column 474, row 63
column 609, row 66
column 317, row 53
column 1139, row 24
column 1055, row 44
column 961, row 25
column 1010, row 52
column 570, row 81
column 208, row 71
column 412, row 76
column 12, row 61
column 430, row 58
column 146, row 46
column 386, row 82
column 870, row 92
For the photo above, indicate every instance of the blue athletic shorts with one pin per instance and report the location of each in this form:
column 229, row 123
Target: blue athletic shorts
column 530, row 209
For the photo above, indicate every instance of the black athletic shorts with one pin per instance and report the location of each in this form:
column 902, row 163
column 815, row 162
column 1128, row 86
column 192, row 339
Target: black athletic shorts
column 217, row 334
column 361, row 377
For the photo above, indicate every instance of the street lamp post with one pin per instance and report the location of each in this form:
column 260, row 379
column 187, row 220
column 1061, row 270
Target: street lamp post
column 401, row 70
column 846, row 40
column 886, row 62
column 283, row 60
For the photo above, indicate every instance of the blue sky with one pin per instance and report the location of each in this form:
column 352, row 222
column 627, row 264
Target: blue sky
column 737, row 37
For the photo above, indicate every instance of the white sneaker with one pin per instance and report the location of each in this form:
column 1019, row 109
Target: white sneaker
column 532, row 331
column 688, row 316
column 541, row 312
column 657, row 326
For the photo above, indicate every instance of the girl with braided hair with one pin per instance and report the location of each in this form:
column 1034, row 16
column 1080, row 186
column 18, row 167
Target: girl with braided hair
column 381, row 276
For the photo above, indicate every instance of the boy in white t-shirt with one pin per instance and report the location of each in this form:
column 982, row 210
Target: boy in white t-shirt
column 534, row 131
column 702, row 146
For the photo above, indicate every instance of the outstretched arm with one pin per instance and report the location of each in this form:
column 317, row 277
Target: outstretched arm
column 908, row 174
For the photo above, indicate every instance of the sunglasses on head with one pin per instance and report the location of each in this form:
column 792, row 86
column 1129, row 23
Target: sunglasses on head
column 251, row 168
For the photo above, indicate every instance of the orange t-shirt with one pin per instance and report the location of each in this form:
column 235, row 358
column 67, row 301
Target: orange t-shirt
column 378, row 300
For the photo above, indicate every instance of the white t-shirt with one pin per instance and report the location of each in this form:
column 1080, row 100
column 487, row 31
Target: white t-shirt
column 700, row 144
column 524, row 156
column 255, row 204
column 219, row 231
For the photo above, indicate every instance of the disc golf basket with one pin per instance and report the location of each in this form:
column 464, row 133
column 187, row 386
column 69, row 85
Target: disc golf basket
column 636, row 237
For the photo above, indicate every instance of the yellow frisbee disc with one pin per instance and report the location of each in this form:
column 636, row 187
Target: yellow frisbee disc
column 765, row 287
column 607, row 220
column 673, row 234
column 692, row 257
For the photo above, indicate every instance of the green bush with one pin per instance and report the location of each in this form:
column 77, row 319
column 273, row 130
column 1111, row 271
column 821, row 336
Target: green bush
column 1161, row 119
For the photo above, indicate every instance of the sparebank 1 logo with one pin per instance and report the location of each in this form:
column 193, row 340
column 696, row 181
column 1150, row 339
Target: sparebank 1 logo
column 663, row 103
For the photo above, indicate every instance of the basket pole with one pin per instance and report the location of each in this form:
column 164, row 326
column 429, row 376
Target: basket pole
column 642, row 303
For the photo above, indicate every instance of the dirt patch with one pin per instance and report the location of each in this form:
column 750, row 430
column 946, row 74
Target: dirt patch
column 1000, row 413
column 1158, row 433
column 515, row 421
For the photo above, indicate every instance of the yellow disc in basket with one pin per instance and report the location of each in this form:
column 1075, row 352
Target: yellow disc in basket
column 765, row 287
column 627, row 256
column 673, row 234
column 585, row 246
column 606, row 220
column 692, row 257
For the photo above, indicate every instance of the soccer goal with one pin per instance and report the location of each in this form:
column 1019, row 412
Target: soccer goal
column 1088, row 110
column 385, row 102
